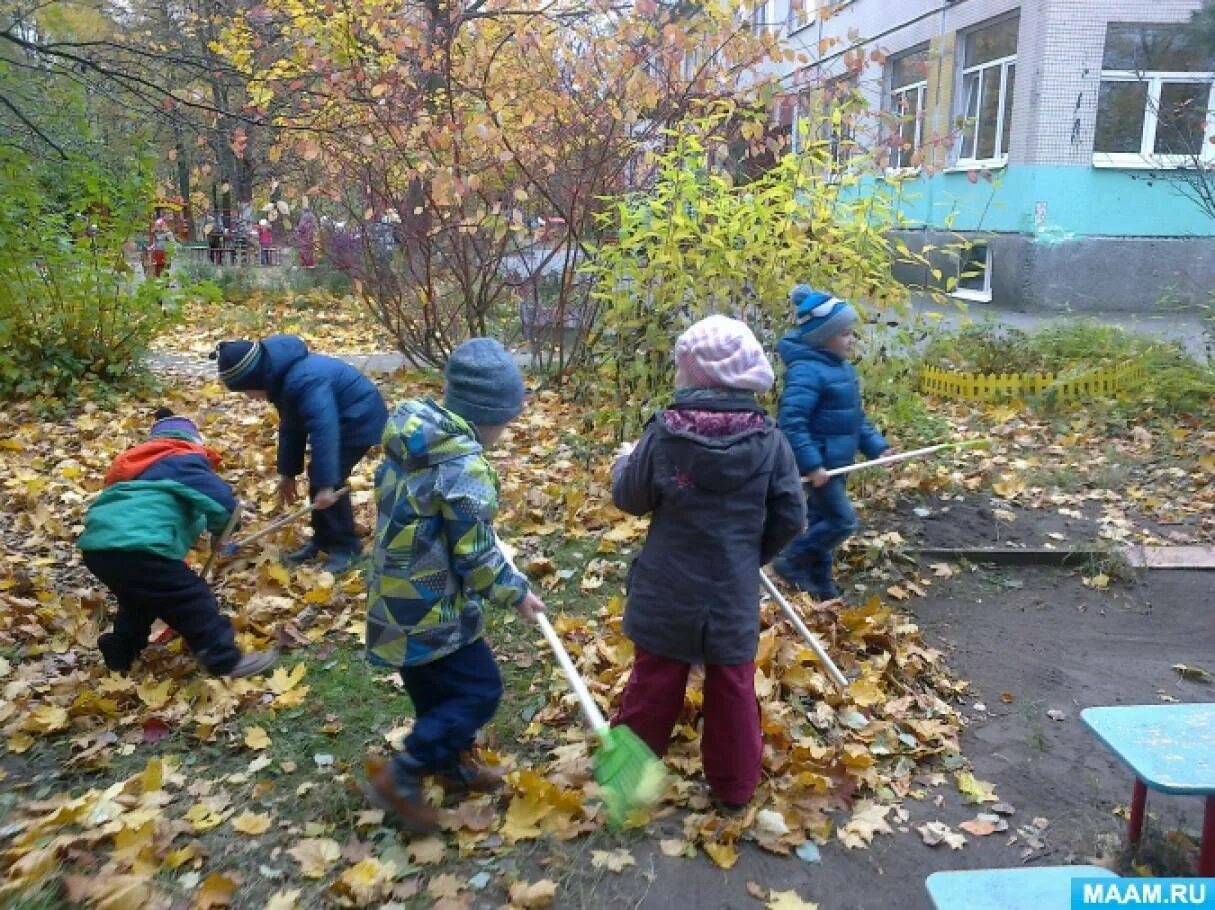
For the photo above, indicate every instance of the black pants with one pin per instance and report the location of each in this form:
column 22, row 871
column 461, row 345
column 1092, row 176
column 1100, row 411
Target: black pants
column 333, row 528
column 150, row 587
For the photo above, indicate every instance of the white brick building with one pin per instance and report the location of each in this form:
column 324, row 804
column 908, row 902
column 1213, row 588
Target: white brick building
column 1067, row 108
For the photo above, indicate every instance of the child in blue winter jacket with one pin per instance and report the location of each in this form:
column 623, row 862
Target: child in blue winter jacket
column 822, row 416
column 324, row 404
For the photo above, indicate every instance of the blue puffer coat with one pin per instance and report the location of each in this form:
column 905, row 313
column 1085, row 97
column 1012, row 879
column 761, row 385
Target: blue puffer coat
column 820, row 408
column 322, row 401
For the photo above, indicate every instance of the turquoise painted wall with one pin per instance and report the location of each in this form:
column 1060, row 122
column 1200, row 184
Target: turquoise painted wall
column 1079, row 202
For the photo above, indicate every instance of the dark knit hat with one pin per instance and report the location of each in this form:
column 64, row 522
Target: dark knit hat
column 820, row 316
column 240, row 365
column 173, row 426
column 484, row 385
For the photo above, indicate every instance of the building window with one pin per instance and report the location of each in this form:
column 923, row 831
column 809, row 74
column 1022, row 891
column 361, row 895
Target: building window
column 801, row 14
column 908, row 90
column 692, row 59
column 974, row 274
column 762, row 16
column 989, row 71
column 1157, row 90
column 837, row 103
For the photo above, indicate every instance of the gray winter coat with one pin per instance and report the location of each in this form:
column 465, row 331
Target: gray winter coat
column 722, row 484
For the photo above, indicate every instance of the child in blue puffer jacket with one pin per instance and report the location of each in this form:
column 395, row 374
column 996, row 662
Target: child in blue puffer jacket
column 822, row 416
column 326, row 406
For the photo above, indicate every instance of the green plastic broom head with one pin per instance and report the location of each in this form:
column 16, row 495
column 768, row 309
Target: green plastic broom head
column 629, row 774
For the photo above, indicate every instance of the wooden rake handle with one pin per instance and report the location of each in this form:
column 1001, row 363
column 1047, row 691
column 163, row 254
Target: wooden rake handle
column 218, row 543
column 287, row 519
column 840, row 680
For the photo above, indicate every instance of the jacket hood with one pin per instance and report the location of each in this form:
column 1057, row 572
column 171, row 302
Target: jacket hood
column 421, row 434
column 282, row 352
column 720, row 464
column 137, row 459
column 793, row 349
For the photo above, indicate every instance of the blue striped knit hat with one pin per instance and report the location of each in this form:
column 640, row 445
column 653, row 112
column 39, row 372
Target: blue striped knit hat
column 820, row 316
column 240, row 365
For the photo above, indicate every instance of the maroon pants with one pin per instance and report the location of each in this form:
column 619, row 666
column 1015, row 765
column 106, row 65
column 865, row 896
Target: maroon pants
column 731, row 745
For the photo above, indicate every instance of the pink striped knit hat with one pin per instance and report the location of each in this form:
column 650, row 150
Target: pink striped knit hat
column 720, row 352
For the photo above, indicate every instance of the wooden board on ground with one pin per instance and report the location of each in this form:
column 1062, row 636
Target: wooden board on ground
column 1199, row 557
column 1171, row 557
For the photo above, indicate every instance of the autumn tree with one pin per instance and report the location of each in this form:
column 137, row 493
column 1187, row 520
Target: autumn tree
column 469, row 145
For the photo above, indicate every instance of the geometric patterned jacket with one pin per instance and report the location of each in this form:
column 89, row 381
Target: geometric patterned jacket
column 435, row 560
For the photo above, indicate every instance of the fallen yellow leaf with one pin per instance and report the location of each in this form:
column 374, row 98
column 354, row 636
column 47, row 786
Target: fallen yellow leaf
column 534, row 894
column 252, row 823
column 315, row 855
column 788, row 900
column 256, row 738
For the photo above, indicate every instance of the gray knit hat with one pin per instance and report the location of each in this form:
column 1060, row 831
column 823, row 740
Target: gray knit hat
column 484, row 385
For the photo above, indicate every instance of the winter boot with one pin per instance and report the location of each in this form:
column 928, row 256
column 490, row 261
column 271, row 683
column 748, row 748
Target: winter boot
column 306, row 553
column 470, row 776
column 396, row 787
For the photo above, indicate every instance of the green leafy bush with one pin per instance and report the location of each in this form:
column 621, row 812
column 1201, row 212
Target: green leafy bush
column 700, row 242
column 70, row 306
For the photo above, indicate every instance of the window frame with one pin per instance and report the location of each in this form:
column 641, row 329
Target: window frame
column 766, row 9
column 981, row 295
column 1002, row 65
column 893, row 98
column 802, row 18
column 1154, row 81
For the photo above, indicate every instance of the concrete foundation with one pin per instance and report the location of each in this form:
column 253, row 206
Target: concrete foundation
column 1082, row 275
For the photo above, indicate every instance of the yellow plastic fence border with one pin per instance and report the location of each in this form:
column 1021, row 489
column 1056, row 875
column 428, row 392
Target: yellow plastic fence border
column 1101, row 383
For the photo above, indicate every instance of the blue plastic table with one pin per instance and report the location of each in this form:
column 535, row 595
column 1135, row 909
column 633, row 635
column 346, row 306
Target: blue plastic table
column 1031, row 888
column 1170, row 749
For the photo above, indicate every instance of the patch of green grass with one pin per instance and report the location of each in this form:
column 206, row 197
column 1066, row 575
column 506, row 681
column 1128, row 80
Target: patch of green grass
column 47, row 896
column 1063, row 478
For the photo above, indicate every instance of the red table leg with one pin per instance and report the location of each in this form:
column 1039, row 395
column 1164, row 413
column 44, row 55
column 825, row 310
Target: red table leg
column 1134, row 827
column 1206, row 859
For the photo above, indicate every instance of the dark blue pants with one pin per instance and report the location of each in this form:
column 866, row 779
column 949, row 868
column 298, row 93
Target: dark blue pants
column 830, row 520
column 333, row 528
column 453, row 697
column 150, row 587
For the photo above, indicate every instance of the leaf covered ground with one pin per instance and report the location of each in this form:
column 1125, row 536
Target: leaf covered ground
column 167, row 788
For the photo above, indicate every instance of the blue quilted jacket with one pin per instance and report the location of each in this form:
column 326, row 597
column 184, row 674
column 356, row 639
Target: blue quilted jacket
column 321, row 401
column 820, row 408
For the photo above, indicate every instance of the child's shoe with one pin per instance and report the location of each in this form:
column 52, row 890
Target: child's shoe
column 341, row 562
column 794, row 575
column 470, row 776
column 306, row 553
column 396, row 787
column 253, row 663
column 115, row 656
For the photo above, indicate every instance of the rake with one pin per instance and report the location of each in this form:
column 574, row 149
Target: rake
column 626, row 770
column 231, row 549
column 908, row 456
column 837, row 677
column 219, row 544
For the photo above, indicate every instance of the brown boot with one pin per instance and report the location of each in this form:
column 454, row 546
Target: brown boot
column 470, row 776
column 398, row 791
